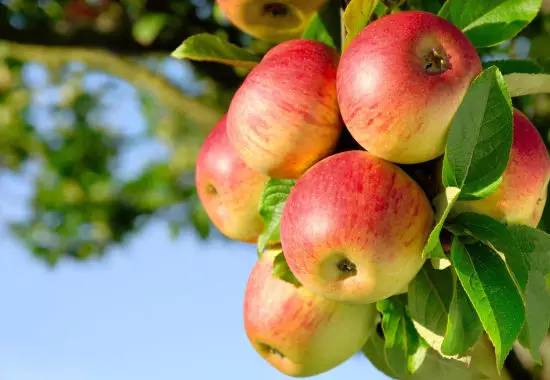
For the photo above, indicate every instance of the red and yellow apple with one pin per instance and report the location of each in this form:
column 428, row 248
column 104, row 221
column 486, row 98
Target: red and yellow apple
column 285, row 116
column 298, row 332
column 228, row 189
column 400, row 83
column 521, row 196
column 272, row 20
column 353, row 228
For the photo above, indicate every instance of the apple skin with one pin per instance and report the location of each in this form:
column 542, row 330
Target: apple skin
column 521, row 196
column 285, row 116
column 271, row 20
column 391, row 104
column 228, row 189
column 354, row 208
column 296, row 331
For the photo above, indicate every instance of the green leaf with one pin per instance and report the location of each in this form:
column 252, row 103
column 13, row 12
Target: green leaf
column 211, row 48
column 463, row 325
column 356, row 16
column 489, row 22
column 429, row 297
column 374, row 351
column 521, row 84
column 497, row 235
column 273, row 199
column 444, row 204
column 480, row 137
column 534, row 245
column 200, row 220
column 537, row 310
column 432, row 6
column 401, row 338
column 493, row 294
column 147, row 28
column 282, row 271
column 509, row 66
column 325, row 26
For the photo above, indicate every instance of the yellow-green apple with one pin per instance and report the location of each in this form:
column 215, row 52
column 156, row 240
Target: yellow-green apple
column 400, row 83
column 285, row 116
column 521, row 196
column 272, row 20
column 228, row 189
column 299, row 332
column 354, row 226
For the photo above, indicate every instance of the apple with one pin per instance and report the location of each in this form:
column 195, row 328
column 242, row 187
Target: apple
column 228, row 189
column 299, row 332
column 285, row 116
column 272, row 20
column 521, row 196
column 354, row 226
column 400, row 83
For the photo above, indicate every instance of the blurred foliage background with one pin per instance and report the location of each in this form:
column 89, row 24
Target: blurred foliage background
column 64, row 68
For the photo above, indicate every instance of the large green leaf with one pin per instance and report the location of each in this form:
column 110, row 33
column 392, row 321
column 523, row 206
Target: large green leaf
column 509, row 66
column 429, row 298
column 489, row 22
column 493, row 293
column 356, row 17
column 375, row 352
column 271, row 208
column 496, row 234
column 521, row 84
column 463, row 325
column 444, row 204
column 325, row 26
column 480, row 137
column 212, row 48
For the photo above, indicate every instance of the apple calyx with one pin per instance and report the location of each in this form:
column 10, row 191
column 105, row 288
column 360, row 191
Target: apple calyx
column 276, row 9
column 436, row 62
column 347, row 267
column 270, row 350
column 211, row 189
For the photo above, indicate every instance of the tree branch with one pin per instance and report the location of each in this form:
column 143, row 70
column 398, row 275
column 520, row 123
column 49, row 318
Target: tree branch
column 202, row 115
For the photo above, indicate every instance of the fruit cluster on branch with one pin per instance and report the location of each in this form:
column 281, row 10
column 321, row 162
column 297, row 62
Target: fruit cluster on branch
column 352, row 229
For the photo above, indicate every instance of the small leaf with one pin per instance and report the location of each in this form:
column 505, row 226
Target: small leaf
column 493, row 294
column 487, row 23
column 273, row 199
column 444, row 204
column 147, row 28
column 356, row 16
column 325, row 26
column 212, row 48
column 463, row 326
column 480, row 137
column 283, row 272
column 521, row 84
column 401, row 338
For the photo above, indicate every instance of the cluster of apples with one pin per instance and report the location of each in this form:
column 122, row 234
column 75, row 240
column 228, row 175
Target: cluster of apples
column 354, row 225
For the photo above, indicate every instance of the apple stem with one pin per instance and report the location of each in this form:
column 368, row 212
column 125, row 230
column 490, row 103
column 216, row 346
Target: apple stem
column 275, row 9
column 436, row 62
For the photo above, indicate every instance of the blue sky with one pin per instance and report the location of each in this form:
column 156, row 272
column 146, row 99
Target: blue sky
column 157, row 308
